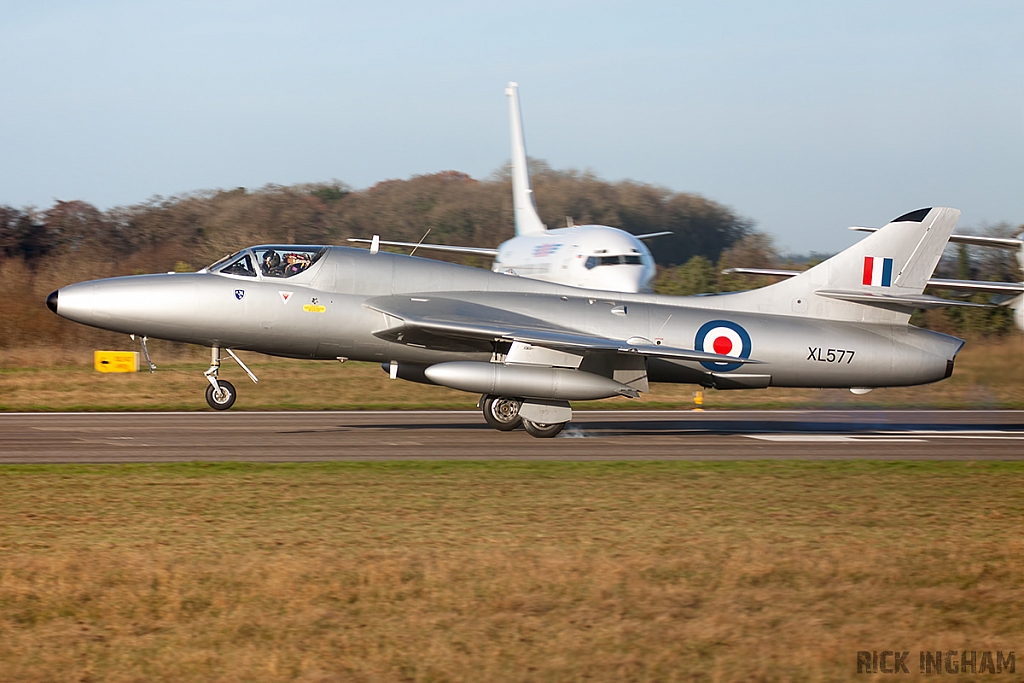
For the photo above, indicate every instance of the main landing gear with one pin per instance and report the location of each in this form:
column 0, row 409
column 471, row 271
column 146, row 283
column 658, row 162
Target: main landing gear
column 502, row 413
column 542, row 430
column 220, row 395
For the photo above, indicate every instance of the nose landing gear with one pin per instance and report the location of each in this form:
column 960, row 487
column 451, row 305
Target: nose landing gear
column 220, row 395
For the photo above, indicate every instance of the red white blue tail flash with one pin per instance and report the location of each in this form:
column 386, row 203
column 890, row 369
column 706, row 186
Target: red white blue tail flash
column 877, row 271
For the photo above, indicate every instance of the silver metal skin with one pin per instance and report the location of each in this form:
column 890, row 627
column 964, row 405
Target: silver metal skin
column 504, row 335
column 526, row 380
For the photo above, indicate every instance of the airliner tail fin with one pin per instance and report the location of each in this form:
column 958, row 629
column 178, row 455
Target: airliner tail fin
column 525, row 209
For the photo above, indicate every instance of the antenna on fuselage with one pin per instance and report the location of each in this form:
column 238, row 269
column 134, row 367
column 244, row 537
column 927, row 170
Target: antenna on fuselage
column 413, row 252
column 523, row 206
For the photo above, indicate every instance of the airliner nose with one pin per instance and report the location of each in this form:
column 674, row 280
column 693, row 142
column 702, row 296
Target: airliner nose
column 51, row 301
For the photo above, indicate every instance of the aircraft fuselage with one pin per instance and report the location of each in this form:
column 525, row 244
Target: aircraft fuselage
column 325, row 313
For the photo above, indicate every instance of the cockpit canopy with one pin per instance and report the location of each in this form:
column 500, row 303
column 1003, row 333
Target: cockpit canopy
column 269, row 261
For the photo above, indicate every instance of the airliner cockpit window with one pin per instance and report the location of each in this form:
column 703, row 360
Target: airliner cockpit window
column 286, row 261
column 627, row 259
column 240, row 266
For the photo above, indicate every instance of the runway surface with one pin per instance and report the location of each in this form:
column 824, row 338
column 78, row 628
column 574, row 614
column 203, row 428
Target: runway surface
column 426, row 435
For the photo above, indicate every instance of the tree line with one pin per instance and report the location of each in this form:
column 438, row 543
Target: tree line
column 455, row 208
column 70, row 241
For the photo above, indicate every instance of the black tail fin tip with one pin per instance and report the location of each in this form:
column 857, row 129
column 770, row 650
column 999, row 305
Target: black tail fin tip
column 912, row 217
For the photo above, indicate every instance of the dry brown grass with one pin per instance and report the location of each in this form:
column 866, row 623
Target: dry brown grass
column 502, row 572
column 987, row 375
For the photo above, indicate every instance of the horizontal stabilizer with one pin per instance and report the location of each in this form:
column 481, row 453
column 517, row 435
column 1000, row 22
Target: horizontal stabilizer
column 907, row 303
column 936, row 282
column 978, row 286
column 443, row 317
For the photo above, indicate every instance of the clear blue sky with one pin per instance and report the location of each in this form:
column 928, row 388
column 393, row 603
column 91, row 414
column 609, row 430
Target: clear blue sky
column 805, row 117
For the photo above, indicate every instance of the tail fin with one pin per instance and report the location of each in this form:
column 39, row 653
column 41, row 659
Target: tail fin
column 1020, row 251
column 879, row 279
column 525, row 210
column 906, row 250
column 1017, row 304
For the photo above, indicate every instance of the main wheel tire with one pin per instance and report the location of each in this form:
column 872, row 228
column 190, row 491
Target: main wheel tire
column 542, row 430
column 222, row 399
column 502, row 412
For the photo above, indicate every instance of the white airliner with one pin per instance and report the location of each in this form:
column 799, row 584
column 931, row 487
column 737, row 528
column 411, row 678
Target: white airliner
column 590, row 256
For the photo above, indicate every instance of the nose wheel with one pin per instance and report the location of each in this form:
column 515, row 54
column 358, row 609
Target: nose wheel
column 220, row 395
column 223, row 397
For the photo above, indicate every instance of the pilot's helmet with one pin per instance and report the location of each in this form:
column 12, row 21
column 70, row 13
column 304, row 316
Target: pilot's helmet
column 271, row 259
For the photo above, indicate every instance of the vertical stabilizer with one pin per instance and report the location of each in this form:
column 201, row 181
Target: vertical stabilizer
column 527, row 220
column 899, row 258
column 1020, row 251
column 1017, row 305
column 879, row 279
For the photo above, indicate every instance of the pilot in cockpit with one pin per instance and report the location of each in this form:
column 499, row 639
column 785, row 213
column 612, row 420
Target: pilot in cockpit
column 295, row 264
column 272, row 264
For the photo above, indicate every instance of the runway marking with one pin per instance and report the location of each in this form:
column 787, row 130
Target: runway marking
column 833, row 438
column 966, row 434
column 909, row 436
column 823, row 412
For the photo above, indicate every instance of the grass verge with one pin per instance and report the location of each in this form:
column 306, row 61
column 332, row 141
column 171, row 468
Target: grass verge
column 986, row 376
column 503, row 571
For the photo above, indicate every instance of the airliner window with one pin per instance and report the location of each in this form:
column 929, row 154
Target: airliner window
column 241, row 266
column 286, row 261
column 628, row 259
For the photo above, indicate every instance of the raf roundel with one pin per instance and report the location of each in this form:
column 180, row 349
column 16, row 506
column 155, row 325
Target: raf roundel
column 725, row 338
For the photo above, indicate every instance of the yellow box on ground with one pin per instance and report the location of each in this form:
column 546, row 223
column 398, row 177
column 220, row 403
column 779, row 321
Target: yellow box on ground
column 116, row 361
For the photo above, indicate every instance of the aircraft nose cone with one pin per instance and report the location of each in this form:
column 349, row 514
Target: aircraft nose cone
column 51, row 301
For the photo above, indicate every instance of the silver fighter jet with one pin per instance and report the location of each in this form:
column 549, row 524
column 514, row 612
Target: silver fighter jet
column 530, row 347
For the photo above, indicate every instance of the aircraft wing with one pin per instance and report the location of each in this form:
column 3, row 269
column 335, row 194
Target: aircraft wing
column 976, row 240
column 762, row 271
column 420, row 319
column 481, row 251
